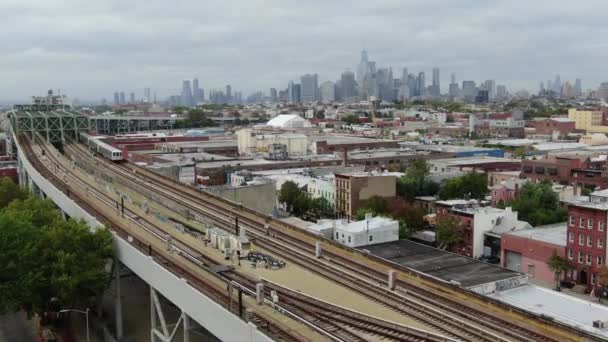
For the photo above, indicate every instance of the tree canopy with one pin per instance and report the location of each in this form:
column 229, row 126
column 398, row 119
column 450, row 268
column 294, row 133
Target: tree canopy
column 471, row 185
column 415, row 183
column 448, row 232
column 558, row 265
column 299, row 202
column 411, row 218
column 45, row 257
column 538, row 204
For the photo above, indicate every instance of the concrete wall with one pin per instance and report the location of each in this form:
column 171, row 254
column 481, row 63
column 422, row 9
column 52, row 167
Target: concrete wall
column 260, row 197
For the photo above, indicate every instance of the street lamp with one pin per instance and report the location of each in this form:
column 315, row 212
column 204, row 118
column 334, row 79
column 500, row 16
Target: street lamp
column 86, row 313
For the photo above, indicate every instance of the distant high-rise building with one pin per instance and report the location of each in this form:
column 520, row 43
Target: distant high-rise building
column 186, row 96
column 147, row 95
column 421, row 84
column 578, row 87
column 557, row 85
column 541, row 88
column 436, row 86
column 454, row 91
column 310, row 88
column 602, row 91
column 293, row 91
column 549, row 86
column 501, row 92
column 273, row 95
column 116, row 98
column 363, row 68
column 348, row 86
column 328, row 91
column 490, row 86
column 132, row 98
column 122, row 98
column 197, row 92
column 228, row 93
column 469, row 90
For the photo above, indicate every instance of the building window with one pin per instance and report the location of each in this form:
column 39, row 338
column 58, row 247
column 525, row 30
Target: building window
column 572, row 220
column 337, row 235
column 589, row 241
column 592, row 278
column 600, row 226
column 570, row 254
column 590, row 223
column 371, row 238
column 349, row 239
column 571, row 237
column 581, row 240
column 580, row 257
column 588, row 259
column 600, row 243
column 581, row 223
column 599, row 261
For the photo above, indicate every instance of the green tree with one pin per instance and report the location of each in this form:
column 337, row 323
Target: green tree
column 538, row 204
column 320, row 207
column 351, row 119
column 558, row 265
column 415, row 183
column 10, row 191
column 44, row 257
column 471, row 185
column 448, row 233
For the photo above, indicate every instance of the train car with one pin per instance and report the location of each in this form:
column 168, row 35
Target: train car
column 106, row 150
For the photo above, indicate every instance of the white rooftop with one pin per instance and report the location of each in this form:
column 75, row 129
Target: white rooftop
column 363, row 225
column 552, row 146
column 567, row 309
column 288, row 120
column 562, row 119
column 553, row 233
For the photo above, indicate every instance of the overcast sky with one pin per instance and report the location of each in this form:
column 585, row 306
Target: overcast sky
column 90, row 48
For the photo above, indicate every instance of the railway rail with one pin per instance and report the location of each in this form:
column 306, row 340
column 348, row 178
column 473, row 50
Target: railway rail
column 209, row 205
column 342, row 331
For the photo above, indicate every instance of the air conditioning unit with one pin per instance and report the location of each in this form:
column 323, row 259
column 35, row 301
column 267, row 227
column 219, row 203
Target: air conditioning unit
column 598, row 324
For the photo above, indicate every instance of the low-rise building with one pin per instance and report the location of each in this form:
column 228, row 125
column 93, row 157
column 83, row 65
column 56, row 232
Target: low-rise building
column 355, row 189
column 506, row 190
column 529, row 250
column 480, row 227
column 371, row 231
column 586, row 244
column 559, row 127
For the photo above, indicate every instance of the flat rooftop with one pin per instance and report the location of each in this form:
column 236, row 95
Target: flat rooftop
column 552, row 233
column 441, row 264
column 473, row 160
column 453, row 148
column 564, row 308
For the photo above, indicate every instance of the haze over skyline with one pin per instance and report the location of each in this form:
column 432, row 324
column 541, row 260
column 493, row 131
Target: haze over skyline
column 91, row 49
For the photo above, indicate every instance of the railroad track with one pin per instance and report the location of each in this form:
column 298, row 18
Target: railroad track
column 212, row 206
column 158, row 254
column 342, row 330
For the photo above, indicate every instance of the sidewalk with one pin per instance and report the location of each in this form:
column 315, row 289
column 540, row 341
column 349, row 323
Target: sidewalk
column 570, row 292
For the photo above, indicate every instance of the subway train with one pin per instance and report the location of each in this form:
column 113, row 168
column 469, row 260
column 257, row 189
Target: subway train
column 106, row 150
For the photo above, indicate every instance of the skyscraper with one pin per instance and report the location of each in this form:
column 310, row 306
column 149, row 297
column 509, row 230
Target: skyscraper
column 363, row 68
column 196, row 91
column 186, row 96
column 132, row 98
column 116, row 98
column 436, row 87
column 122, row 98
column 421, row 84
column 147, row 95
column 501, row 92
column 348, row 86
column 454, row 91
column 490, row 86
column 578, row 87
column 327, row 90
column 557, row 85
column 293, row 92
column 310, row 88
column 228, row 94
column 469, row 90
column 273, row 95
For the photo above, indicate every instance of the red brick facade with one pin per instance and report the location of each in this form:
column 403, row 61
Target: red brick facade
column 548, row 126
column 586, row 243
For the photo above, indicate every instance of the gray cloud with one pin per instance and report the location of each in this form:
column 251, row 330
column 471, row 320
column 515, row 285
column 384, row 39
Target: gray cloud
column 90, row 48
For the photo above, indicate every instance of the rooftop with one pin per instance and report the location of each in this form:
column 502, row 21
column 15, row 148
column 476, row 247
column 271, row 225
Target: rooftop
column 439, row 263
column 363, row 225
column 552, row 233
column 473, row 160
column 561, row 307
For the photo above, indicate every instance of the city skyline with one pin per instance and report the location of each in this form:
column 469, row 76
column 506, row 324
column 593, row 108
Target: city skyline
column 92, row 49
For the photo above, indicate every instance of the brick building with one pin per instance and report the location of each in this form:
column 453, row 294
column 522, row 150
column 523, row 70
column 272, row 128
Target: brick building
column 528, row 250
column 481, row 227
column 548, row 126
column 586, row 244
column 506, row 190
column 354, row 190
column 568, row 169
column 351, row 144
